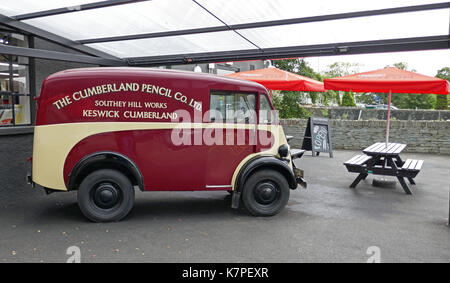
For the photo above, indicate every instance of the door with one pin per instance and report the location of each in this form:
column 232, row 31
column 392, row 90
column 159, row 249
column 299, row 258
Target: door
column 231, row 133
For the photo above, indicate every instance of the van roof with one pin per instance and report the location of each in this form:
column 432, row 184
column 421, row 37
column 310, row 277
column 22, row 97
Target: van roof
column 138, row 71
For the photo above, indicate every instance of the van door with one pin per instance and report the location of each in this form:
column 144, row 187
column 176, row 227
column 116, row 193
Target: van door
column 232, row 136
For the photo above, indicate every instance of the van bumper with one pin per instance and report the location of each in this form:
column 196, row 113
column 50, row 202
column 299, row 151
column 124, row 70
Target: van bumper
column 299, row 174
column 30, row 180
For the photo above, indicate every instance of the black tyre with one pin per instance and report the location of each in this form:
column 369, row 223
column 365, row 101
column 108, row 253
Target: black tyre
column 265, row 193
column 106, row 195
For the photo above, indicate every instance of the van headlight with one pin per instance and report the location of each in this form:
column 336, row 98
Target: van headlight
column 283, row 150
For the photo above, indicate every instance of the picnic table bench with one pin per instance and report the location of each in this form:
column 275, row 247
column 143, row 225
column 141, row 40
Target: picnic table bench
column 379, row 159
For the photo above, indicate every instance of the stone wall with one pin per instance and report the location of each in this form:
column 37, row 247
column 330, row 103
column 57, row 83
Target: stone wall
column 351, row 113
column 420, row 136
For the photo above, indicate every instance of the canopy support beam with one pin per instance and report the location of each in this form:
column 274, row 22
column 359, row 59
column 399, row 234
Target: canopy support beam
column 61, row 56
column 361, row 47
column 23, row 27
column 220, row 20
column 71, row 9
column 235, row 27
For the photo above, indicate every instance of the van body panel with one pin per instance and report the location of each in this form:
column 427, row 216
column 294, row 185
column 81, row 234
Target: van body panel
column 68, row 94
column 53, row 143
column 131, row 111
column 163, row 164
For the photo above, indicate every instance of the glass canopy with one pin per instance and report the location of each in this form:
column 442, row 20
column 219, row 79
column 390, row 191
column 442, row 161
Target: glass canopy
column 138, row 21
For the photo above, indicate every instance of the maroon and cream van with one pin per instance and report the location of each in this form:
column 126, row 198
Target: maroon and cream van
column 108, row 131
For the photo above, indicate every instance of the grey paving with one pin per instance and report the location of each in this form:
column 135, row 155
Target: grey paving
column 328, row 222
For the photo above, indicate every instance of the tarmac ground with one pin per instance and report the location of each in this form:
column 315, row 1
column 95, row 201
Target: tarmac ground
column 328, row 222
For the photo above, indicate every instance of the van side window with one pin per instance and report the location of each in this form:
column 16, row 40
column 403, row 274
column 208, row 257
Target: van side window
column 227, row 107
column 266, row 113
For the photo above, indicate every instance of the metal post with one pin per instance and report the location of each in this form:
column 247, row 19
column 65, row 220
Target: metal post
column 32, row 83
column 11, row 85
column 388, row 118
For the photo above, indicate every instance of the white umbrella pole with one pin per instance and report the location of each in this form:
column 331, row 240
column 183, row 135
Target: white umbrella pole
column 388, row 118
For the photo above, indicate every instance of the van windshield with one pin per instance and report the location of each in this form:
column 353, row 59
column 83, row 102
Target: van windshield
column 266, row 114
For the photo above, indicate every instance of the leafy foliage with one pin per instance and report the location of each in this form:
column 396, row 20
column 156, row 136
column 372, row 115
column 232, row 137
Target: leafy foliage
column 299, row 66
column 288, row 103
column 348, row 100
column 442, row 100
column 409, row 100
column 366, row 98
column 340, row 69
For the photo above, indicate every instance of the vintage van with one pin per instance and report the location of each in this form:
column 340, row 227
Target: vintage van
column 106, row 131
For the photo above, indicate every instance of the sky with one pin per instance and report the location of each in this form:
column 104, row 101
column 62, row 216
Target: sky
column 424, row 62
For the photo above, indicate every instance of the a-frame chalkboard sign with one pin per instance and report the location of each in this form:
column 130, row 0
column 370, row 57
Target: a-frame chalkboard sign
column 318, row 136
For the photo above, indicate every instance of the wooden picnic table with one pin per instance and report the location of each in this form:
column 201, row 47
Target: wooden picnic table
column 379, row 159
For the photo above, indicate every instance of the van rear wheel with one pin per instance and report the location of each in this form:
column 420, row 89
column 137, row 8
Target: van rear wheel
column 105, row 196
column 265, row 193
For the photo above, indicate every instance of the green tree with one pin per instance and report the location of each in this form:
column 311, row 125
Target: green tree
column 301, row 67
column 339, row 69
column 365, row 98
column 288, row 103
column 334, row 96
column 409, row 100
column 298, row 66
column 442, row 100
column 402, row 66
column 348, row 99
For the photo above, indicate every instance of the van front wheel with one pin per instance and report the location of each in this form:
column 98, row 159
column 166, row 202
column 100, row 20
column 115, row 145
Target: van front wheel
column 265, row 193
column 105, row 196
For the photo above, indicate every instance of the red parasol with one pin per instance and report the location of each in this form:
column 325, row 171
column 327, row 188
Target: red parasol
column 389, row 80
column 275, row 79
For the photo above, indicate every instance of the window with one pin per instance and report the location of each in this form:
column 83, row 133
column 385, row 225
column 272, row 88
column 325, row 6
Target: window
column 228, row 107
column 14, row 83
column 266, row 113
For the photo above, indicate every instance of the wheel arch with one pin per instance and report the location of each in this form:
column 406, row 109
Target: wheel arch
column 265, row 162
column 104, row 160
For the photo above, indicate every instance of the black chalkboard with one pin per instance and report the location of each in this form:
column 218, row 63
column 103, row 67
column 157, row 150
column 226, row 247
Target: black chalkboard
column 318, row 136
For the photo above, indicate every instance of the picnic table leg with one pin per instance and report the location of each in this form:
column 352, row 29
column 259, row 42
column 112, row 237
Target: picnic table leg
column 400, row 161
column 358, row 179
column 411, row 181
column 404, row 185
